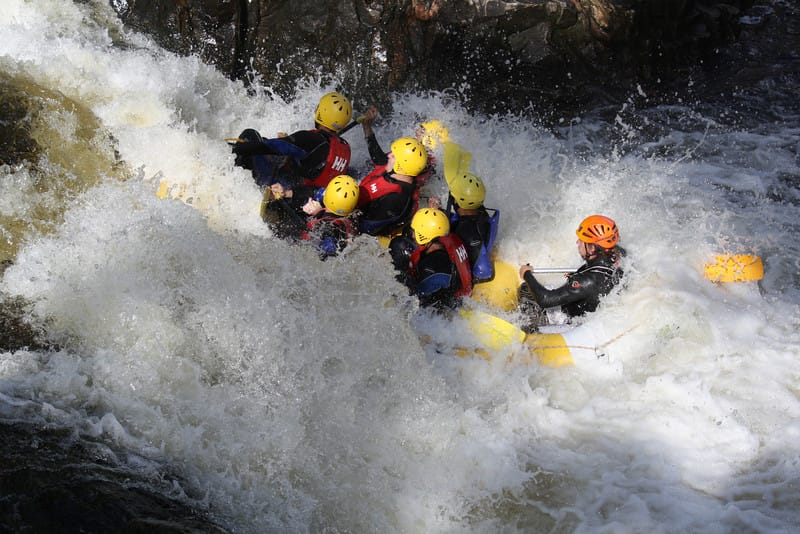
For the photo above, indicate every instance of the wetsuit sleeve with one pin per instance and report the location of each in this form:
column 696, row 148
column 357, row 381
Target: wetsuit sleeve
column 376, row 153
column 301, row 194
column 578, row 287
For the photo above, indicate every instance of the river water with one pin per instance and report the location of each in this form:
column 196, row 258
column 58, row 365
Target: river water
column 198, row 374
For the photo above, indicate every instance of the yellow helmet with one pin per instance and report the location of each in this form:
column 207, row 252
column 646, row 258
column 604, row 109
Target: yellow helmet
column 433, row 132
column 428, row 224
column 598, row 230
column 468, row 191
column 410, row 156
column 341, row 195
column 334, row 111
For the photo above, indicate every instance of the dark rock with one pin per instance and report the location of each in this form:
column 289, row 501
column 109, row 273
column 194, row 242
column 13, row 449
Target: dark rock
column 500, row 53
column 55, row 482
column 16, row 143
column 16, row 332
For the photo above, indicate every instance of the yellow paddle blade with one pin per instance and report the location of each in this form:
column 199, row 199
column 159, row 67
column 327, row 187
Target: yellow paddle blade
column 385, row 240
column 266, row 198
column 501, row 291
column 456, row 161
column 492, row 332
column 735, row 268
column 432, row 133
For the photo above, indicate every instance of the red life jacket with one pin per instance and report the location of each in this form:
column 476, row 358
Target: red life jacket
column 458, row 255
column 337, row 163
column 375, row 185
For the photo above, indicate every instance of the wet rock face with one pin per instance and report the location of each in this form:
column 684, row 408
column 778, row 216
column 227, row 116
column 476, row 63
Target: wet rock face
column 16, row 333
column 514, row 52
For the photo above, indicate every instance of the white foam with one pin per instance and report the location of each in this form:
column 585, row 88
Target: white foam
column 295, row 393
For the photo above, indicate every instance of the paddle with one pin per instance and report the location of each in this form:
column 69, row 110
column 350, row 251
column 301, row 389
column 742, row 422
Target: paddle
column 549, row 270
column 456, row 161
column 352, row 125
column 432, row 132
column 723, row 268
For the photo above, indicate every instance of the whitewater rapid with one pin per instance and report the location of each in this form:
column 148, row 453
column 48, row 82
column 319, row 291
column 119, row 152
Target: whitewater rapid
column 287, row 394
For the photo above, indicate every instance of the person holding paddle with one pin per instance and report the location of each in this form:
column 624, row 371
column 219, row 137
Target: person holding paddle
column 598, row 245
column 307, row 157
column 321, row 215
column 390, row 192
column 471, row 221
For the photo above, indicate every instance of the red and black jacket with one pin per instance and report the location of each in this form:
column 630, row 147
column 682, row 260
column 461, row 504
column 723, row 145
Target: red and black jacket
column 439, row 277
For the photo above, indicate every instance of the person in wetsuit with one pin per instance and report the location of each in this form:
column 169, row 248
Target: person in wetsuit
column 438, row 270
column 306, row 157
column 598, row 239
column 390, row 192
column 471, row 221
column 321, row 215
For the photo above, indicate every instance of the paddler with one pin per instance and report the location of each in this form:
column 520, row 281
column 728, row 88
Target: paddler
column 438, row 270
column 324, row 216
column 306, row 157
column 471, row 221
column 598, row 239
column 390, row 193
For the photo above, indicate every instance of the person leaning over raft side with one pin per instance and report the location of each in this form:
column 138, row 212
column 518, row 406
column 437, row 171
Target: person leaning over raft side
column 470, row 220
column 307, row 157
column 438, row 270
column 597, row 242
column 321, row 215
column 390, row 193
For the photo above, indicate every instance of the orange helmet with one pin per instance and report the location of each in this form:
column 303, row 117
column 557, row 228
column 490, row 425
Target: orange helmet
column 598, row 230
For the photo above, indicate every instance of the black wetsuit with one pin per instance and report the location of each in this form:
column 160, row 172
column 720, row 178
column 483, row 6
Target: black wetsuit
column 430, row 263
column 285, row 215
column 302, row 154
column 580, row 294
column 288, row 221
column 385, row 214
column 376, row 153
column 474, row 231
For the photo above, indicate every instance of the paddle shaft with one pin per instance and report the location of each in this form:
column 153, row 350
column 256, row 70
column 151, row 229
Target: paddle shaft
column 352, row 125
column 548, row 270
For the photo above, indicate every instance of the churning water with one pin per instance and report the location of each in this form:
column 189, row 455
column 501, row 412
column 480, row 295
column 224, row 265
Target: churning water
column 198, row 359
